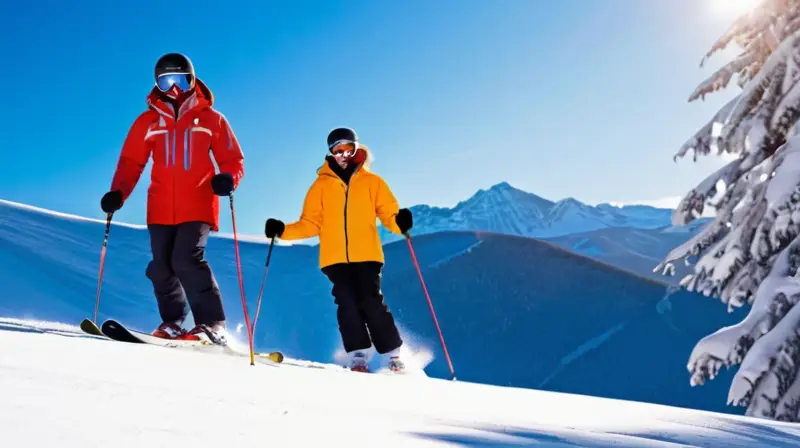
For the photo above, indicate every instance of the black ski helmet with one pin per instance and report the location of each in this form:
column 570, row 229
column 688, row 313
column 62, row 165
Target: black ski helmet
column 341, row 134
column 175, row 63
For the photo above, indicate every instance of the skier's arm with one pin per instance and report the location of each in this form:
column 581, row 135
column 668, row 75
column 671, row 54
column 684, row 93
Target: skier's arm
column 227, row 152
column 310, row 221
column 133, row 158
column 386, row 206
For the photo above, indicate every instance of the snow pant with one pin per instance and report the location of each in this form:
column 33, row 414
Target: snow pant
column 179, row 271
column 363, row 316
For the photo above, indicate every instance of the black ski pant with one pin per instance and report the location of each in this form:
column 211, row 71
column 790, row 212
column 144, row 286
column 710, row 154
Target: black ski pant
column 179, row 272
column 363, row 316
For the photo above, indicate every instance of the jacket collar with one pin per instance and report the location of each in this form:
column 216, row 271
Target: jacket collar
column 331, row 168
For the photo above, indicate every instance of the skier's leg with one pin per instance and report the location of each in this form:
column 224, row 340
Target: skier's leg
column 166, row 287
column 194, row 272
column 380, row 321
column 351, row 322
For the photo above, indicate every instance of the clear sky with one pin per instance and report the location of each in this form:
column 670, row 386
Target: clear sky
column 563, row 98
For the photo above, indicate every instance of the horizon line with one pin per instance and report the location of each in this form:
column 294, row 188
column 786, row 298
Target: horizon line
column 250, row 238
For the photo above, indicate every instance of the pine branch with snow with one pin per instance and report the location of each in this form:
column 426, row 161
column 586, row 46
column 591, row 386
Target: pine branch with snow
column 750, row 253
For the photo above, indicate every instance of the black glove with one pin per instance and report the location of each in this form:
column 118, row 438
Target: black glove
column 404, row 220
column 112, row 201
column 222, row 184
column 274, row 227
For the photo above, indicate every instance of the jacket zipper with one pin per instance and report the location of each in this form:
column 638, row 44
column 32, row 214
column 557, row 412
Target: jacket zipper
column 346, row 240
column 346, row 197
column 174, row 171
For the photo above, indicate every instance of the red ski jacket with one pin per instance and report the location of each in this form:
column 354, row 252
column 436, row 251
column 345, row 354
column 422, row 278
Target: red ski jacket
column 181, row 148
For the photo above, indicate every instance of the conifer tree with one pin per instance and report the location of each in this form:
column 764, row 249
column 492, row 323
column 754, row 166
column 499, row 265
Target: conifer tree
column 750, row 253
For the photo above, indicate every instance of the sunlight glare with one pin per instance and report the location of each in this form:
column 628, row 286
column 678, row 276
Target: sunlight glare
column 733, row 7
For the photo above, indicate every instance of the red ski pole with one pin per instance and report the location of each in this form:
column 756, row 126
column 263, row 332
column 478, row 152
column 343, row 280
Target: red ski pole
column 430, row 304
column 241, row 284
column 102, row 265
column 263, row 283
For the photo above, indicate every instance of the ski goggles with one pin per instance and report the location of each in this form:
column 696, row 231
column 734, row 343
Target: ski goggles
column 343, row 148
column 182, row 80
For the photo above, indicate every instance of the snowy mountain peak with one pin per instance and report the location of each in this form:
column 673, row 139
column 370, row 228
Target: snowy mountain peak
column 569, row 202
column 505, row 209
column 503, row 195
column 502, row 186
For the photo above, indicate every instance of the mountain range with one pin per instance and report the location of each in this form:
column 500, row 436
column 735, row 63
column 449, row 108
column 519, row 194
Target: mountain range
column 507, row 210
column 633, row 237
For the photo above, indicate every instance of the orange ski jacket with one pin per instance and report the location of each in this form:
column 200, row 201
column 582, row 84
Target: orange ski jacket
column 181, row 149
column 344, row 216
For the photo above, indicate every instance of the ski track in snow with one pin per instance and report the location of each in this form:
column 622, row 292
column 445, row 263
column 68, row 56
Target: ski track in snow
column 448, row 258
column 582, row 350
column 86, row 392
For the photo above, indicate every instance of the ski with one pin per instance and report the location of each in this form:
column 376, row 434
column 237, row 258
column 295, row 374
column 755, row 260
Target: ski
column 90, row 327
column 119, row 332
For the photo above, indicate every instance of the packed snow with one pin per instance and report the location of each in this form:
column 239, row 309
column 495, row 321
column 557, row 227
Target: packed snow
column 67, row 389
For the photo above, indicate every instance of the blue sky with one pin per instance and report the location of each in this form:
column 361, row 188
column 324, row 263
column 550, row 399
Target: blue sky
column 560, row 98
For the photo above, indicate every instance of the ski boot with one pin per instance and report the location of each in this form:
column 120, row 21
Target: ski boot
column 207, row 334
column 169, row 330
column 396, row 365
column 358, row 362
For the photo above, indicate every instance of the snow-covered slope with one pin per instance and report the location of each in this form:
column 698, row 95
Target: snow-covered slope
column 508, row 210
column 632, row 249
column 514, row 311
column 82, row 392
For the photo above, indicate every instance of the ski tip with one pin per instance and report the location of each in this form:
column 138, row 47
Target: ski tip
column 272, row 356
column 90, row 327
column 111, row 324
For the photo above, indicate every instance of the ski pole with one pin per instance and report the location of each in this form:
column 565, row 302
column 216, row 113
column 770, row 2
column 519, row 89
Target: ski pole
column 430, row 304
column 263, row 282
column 241, row 283
column 102, row 265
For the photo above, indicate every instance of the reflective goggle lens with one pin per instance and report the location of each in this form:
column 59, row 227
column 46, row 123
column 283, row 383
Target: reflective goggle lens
column 343, row 148
column 182, row 80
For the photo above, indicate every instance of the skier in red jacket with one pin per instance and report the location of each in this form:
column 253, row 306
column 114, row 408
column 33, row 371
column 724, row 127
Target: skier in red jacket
column 180, row 131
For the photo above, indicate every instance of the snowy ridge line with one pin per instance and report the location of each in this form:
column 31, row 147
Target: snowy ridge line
column 595, row 260
column 68, row 216
column 257, row 239
column 479, row 234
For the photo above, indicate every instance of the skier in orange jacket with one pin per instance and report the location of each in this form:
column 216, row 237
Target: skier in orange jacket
column 341, row 208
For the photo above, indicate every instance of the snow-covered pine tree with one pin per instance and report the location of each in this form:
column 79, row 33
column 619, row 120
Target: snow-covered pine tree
column 750, row 253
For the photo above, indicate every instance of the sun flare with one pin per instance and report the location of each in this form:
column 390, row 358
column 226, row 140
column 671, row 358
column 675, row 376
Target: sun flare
column 733, row 7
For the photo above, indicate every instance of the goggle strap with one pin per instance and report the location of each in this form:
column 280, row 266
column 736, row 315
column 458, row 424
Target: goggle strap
column 339, row 142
